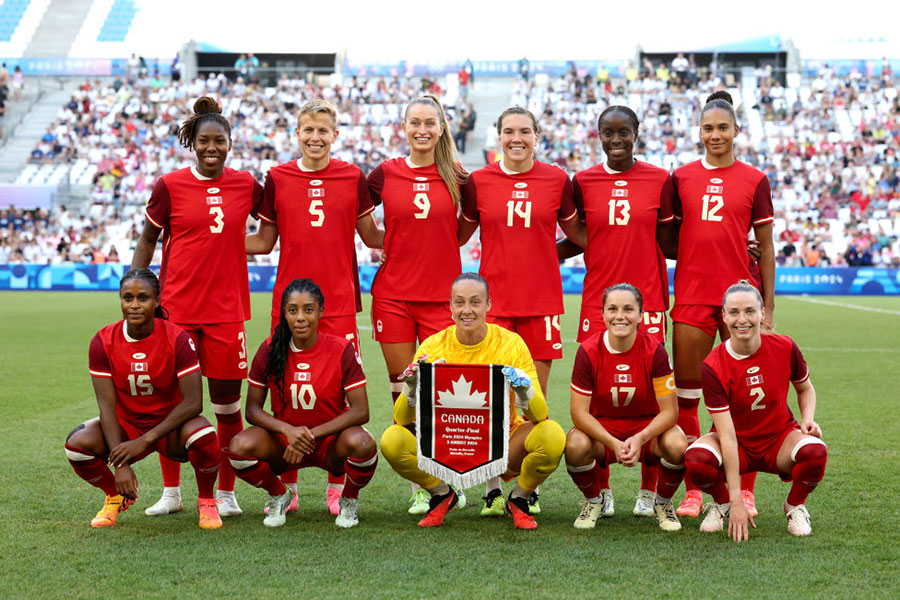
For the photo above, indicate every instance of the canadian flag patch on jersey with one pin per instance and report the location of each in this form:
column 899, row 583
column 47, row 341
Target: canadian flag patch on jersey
column 304, row 376
column 213, row 200
column 714, row 189
column 316, row 192
column 421, row 187
column 619, row 193
column 755, row 380
column 621, row 377
column 140, row 367
column 520, row 194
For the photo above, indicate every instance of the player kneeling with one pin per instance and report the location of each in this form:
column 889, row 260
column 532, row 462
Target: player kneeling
column 535, row 444
column 624, row 409
column 319, row 405
column 147, row 381
column 745, row 387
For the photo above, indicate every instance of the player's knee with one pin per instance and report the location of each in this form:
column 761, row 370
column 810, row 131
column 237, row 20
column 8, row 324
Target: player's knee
column 241, row 445
column 361, row 443
column 395, row 442
column 578, row 447
column 810, row 450
column 547, row 439
column 674, row 444
column 702, row 462
column 74, row 433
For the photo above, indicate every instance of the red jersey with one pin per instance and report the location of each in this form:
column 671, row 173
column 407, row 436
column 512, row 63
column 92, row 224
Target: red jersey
column 204, row 263
column 754, row 388
column 622, row 384
column 621, row 211
column 420, row 233
column 316, row 213
column 518, row 213
column 717, row 208
column 316, row 380
column 144, row 372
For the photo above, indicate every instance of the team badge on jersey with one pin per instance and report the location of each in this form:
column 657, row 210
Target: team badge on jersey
column 518, row 194
column 140, row 367
column 619, row 193
column 421, row 187
column 755, row 380
column 214, row 200
column 621, row 377
column 304, row 376
column 316, row 192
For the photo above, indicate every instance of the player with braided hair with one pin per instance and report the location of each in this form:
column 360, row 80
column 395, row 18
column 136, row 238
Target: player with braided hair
column 146, row 377
column 318, row 408
column 201, row 212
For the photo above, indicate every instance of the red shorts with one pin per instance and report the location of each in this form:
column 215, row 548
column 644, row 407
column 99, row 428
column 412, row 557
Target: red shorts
column 133, row 432
column 592, row 322
column 761, row 454
column 395, row 321
column 541, row 334
column 222, row 348
column 319, row 455
column 702, row 316
column 622, row 429
column 342, row 326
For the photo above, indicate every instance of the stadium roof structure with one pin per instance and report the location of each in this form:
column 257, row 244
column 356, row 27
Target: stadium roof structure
column 756, row 45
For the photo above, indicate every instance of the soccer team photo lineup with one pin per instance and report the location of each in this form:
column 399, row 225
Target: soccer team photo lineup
column 630, row 402
column 465, row 300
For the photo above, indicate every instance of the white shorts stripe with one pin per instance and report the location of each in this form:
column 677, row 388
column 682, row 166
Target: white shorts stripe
column 239, row 464
column 77, row 456
column 709, row 448
column 227, row 409
column 804, row 442
column 197, row 435
column 583, row 469
column 690, row 393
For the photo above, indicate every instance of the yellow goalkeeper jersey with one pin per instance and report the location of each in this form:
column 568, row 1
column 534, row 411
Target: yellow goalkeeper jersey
column 499, row 347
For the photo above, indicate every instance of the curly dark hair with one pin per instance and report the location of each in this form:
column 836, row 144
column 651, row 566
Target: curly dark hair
column 205, row 109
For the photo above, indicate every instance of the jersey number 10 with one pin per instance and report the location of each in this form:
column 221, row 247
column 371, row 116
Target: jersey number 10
column 303, row 396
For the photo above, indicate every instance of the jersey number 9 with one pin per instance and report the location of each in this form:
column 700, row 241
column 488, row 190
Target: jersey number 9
column 423, row 204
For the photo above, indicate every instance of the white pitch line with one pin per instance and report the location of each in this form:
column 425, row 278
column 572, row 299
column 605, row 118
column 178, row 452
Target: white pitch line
column 883, row 311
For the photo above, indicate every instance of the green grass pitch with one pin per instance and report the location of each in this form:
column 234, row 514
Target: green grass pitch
column 48, row 550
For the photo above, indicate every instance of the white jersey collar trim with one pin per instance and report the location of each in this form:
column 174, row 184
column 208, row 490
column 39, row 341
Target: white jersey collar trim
column 734, row 354
column 197, row 174
column 609, row 348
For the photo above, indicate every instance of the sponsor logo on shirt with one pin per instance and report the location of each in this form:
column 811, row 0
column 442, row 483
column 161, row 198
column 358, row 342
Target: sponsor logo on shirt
column 621, row 377
column 138, row 355
column 620, row 193
column 316, row 192
column 242, row 364
column 305, row 376
column 315, row 182
column 212, row 190
column 521, row 185
column 557, row 346
column 421, row 178
column 520, row 193
column 653, row 330
column 751, row 370
column 586, row 325
column 213, row 200
column 755, row 380
column 421, row 187
column 303, row 366
column 191, row 344
column 140, row 367
column 620, row 183
column 714, row 189
column 623, row 367
column 715, row 180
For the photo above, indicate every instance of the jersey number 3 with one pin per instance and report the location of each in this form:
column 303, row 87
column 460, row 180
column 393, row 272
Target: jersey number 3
column 218, row 219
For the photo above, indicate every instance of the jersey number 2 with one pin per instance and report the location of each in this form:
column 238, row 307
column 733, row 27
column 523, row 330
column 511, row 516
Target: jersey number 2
column 760, row 395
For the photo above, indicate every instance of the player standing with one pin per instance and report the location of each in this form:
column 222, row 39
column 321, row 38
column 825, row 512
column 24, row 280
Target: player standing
column 319, row 405
column 518, row 203
column 314, row 205
column 147, row 381
column 536, row 443
column 624, row 408
column 202, row 212
column 421, row 195
column 718, row 199
column 745, row 387
column 626, row 205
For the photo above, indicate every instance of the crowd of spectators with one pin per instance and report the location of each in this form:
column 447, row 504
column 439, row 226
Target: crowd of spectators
column 830, row 148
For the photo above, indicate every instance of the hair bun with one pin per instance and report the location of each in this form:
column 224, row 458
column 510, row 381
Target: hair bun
column 206, row 105
column 720, row 95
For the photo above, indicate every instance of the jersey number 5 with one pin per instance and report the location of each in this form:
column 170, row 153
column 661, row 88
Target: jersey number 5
column 218, row 219
column 712, row 205
column 303, row 395
column 315, row 209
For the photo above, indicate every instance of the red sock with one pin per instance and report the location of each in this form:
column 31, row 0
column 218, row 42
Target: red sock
column 292, row 476
column 689, row 395
column 396, row 387
column 171, row 471
column 229, row 424
column 204, row 455
column 92, row 469
column 359, row 474
column 808, row 471
column 705, row 471
column 587, row 478
column 748, row 481
column 670, row 477
column 602, row 477
column 257, row 473
column 336, row 480
column 649, row 475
